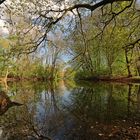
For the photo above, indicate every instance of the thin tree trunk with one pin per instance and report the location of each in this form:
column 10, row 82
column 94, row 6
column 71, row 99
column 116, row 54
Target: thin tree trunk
column 127, row 63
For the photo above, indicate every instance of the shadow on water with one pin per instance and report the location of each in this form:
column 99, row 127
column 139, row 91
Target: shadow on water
column 58, row 112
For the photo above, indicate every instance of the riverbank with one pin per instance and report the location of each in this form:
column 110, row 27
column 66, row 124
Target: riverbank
column 12, row 79
column 120, row 79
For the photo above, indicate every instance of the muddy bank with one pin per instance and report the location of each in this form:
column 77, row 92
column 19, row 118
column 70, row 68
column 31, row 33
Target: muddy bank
column 113, row 79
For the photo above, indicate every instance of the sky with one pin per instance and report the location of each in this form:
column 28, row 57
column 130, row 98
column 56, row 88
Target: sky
column 3, row 30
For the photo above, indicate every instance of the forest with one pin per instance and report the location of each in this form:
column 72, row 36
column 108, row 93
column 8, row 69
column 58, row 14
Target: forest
column 70, row 39
column 70, row 69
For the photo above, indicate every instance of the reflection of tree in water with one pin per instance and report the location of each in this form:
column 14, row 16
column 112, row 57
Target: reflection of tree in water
column 133, row 100
column 39, row 118
column 99, row 107
column 82, row 116
column 138, row 99
column 96, row 103
column 6, row 103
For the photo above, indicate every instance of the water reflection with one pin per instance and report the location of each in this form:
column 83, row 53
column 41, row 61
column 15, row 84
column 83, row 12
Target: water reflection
column 52, row 111
column 6, row 103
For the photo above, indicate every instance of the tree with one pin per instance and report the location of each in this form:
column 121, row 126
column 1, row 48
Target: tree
column 47, row 16
column 106, row 51
column 33, row 25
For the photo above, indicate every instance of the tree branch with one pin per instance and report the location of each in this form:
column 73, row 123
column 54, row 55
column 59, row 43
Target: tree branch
column 89, row 6
column 1, row 1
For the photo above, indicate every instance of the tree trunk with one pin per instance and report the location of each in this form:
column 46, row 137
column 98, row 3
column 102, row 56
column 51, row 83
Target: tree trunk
column 127, row 63
column 110, row 70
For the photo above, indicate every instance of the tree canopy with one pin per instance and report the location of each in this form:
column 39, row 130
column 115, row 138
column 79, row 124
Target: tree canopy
column 99, row 36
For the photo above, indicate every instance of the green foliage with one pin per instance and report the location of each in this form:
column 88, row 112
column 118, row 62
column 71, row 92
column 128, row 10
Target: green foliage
column 100, row 51
column 97, row 45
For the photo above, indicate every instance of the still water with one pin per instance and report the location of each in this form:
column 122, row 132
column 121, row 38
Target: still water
column 66, row 111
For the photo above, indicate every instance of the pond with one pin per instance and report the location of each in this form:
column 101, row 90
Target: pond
column 68, row 111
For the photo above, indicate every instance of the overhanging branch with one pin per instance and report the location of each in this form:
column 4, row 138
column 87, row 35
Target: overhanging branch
column 1, row 1
column 89, row 6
